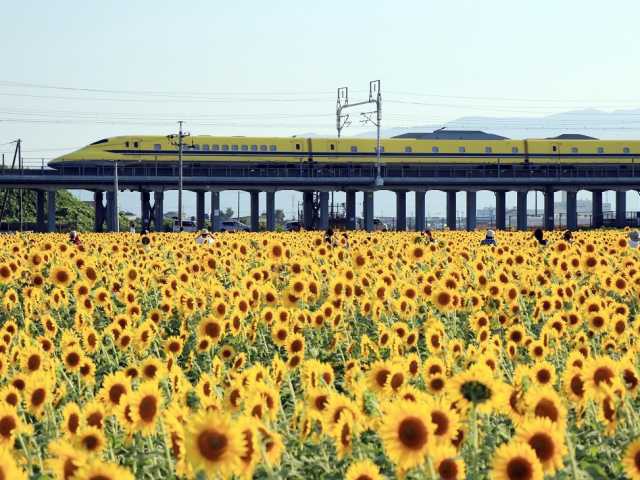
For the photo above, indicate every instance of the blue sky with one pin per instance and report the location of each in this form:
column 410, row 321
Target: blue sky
column 272, row 68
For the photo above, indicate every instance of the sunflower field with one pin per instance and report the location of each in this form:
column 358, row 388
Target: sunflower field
column 282, row 355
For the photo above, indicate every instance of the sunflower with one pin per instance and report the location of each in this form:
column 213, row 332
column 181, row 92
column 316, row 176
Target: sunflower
column 545, row 402
column 477, row 386
column 406, row 433
column 546, row 440
column 61, row 276
column 213, row 444
column 251, row 454
column 447, row 464
column 98, row 470
column 115, row 387
column 446, row 420
column 272, row 445
column 631, row 460
column 90, row 440
column 363, row 470
column 71, row 419
column 9, row 469
column 146, row 407
column 600, row 374
column 38, row 394
column 66, row 459
column 516, row 461
column 10, row 425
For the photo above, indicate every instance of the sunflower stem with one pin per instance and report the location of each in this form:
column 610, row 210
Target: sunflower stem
column 474, row 441
column 432, row 470
column 572, row 457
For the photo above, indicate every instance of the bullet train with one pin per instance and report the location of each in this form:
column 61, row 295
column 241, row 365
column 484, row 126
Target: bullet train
column 439, row 147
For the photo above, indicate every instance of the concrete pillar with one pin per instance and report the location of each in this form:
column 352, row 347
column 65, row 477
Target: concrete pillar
column 572, row 210
column 51, row 211
column 158, row 211
column 451, row 210
column 271, row 211
column 621, row 208
column 401, row 211
column 200, row 210
column 100, row 211
column 501, row 210
column 324, row 210
column 521, row 206
column 367, row 210
column 255, row 210
column 351, row 210
column 549, row 213
column 421, row 211
column 216, row 219
column 145, row 209
column 471, row 211
column 596, row 203
column 40, row 211
column 112, row 213
column 307, row 210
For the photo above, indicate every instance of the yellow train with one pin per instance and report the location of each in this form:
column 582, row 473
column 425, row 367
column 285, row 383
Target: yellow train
column 409, row 149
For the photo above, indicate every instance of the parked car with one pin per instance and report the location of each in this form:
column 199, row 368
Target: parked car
column 233, row 226
column 293, row 226
column 187, row 226
column 379, row 226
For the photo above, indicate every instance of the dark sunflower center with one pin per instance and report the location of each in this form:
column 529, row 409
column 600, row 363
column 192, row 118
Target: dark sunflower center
column 212, row 445
column 543, row 445
column 442, row 422
column 412, row 432
column 475, row 392
column 7, row 425
column 519, row 468
column 448, row 469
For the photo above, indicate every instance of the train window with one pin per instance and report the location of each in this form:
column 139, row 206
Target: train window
column 245, row 148
column 136, row 144
column 600, row 150
column 626, row 150
column 104, row 140
column 297, row 146
column 354, row 149
column 487, row 150
column 263, row 148
column 381, row 150
column 225, row 148
column 215, row 147
column 272, row 148
column 461, row 150
column 435, row 149
column 126, row 144
column 234, row 148
column 196, row 146
column 157, row 146
column 332, row 147
column 574, row 149
column 205, row 147
column 408, row 150
column 514, row 149
column 254, row 148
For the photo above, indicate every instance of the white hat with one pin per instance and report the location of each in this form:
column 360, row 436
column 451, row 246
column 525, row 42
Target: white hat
column 490, row 234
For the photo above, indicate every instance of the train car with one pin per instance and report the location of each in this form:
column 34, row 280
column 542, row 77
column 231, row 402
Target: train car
column 410, row 149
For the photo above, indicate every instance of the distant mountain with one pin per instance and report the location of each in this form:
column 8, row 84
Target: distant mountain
column 617, row 124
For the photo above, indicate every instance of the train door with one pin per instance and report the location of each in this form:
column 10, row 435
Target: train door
column 555, row 153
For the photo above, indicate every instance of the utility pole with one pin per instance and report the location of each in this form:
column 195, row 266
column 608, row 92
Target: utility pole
column 116, row 190
column 20, row 166
column 171, row 138
column 238, row 211
column 342, row 120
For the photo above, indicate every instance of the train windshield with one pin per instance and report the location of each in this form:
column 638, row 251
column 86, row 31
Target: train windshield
column 104, row 140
